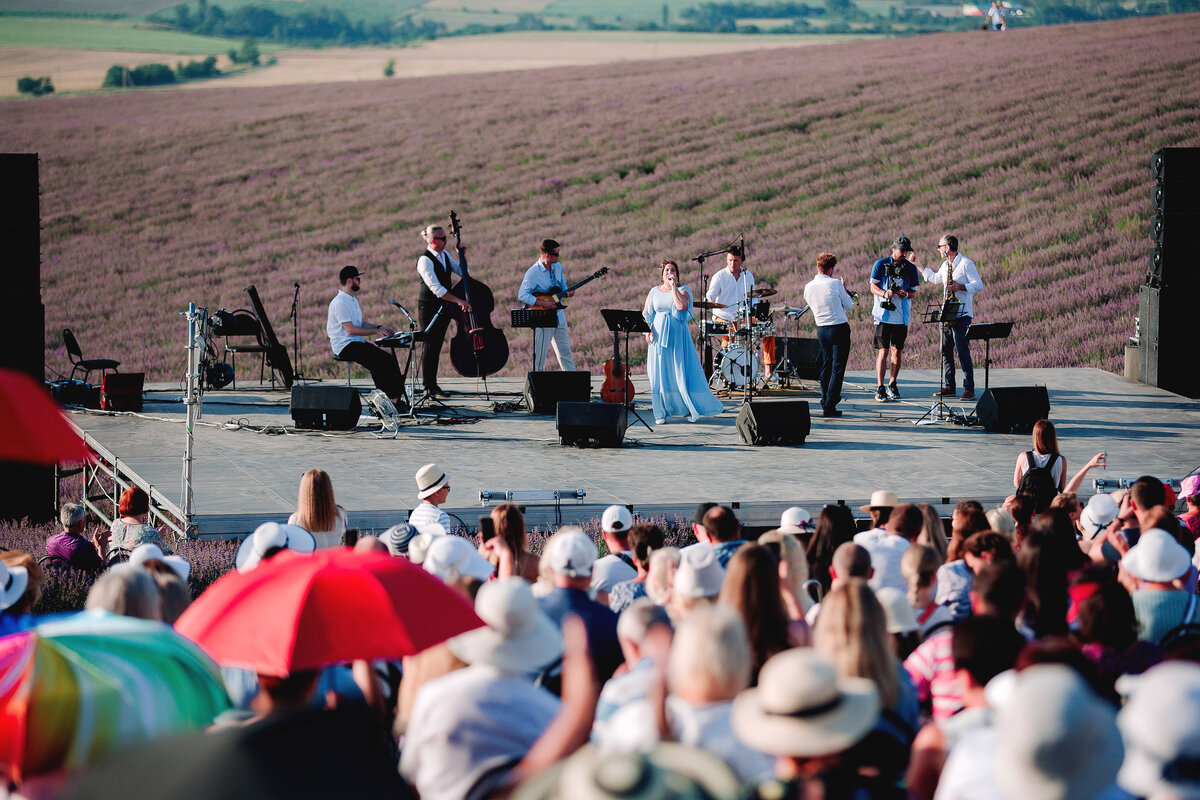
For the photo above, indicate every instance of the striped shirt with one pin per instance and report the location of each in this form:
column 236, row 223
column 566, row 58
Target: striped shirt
column 931, row 668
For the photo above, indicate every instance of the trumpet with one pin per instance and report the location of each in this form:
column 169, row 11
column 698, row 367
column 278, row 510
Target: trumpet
column 853, row 297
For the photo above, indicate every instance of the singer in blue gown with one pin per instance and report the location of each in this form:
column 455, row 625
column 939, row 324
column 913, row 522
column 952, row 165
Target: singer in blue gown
column 678, row 387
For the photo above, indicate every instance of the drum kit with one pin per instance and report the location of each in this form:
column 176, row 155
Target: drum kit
column 737, row 342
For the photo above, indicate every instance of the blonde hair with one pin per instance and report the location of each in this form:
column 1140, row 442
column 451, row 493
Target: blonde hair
column 792, row 551
column 711, row 654
column 427, row 232
column 660, row 575
column 851, row 632
column 1003, row 523
column 933, row 532
column 919, row 566
column 316, row 508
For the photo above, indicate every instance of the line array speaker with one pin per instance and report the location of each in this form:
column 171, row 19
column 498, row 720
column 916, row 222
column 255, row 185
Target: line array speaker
column 774, row 422
column 325, row 408
column 591, row 424
column 544, row 390
column 1013, row 409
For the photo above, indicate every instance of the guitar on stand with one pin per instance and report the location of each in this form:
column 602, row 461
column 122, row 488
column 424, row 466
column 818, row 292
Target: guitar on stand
column 617, row 388
column 622, row 321
column 558, row 294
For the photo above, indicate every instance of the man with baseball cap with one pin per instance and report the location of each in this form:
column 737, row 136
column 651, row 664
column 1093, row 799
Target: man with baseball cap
column 347, row 331
column 570, row 555
column 894, row 282
column 617, row 566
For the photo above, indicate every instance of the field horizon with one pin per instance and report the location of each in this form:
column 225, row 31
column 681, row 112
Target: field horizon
column 1033, row 147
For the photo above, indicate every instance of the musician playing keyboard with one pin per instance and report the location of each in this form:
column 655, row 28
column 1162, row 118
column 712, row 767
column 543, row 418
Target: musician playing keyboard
column 347, row 333
column 546, row 277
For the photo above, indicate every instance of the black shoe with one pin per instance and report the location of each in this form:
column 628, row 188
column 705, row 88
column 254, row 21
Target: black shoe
column 435, row 391
column 831, row 412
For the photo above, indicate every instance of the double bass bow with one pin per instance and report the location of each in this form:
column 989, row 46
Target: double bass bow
column 478, row 348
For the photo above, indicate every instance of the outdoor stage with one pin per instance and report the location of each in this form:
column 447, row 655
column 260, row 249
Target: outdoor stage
column 242, row 478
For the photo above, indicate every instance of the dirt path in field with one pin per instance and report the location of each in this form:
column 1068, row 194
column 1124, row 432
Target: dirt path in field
column 81, row 70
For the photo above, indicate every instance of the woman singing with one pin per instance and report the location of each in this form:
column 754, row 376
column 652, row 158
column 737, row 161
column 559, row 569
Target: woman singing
column 677, row 384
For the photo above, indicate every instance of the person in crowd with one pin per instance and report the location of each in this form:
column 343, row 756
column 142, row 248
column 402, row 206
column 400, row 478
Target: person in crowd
column 849, row 561
column 644, row 539
column 903, row 629
column 372, row 544
column 1153, row 571
column 808, row 715
column 1098, row 460
column 617, row 566
column 731, row 287
column 933, row 533
column 469, row 728
column 1135, row 508
column 903, row 526
column 637, row 623
column 174, row 591
column 347, row 332
column 1021, row 508
column 398, row 538
column 966, row 519
column 697, row 582
column 570, row 556
column 678, row 387
column 130, row 529
column 433, row 487
column 70, row 544
column 509, row 523
column 1094, row 519
column 798, row 592
column 270, row 539
column 920, row 565
column 698, row 525
column 751, row 588
column 724, row 531
column 1158, row 730
column 660, row 575
column 958, row 275
column 21, row 581
column 317, row 511
column 1189, row 490
column 894, row 282
column 436, row 267
column 880, row 508
column 799, row 523
column 1108, row 630
column 954, row 575
column 851, row 631
column 1044, row 455
column 126, row 589
column 1002, row 522
column 1049, row 555
column 546, row 277
column 835, row 527
column 829, row 302
column 451, row 558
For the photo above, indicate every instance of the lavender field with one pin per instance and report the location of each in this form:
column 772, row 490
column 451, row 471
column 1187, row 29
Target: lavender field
column 1032, row 146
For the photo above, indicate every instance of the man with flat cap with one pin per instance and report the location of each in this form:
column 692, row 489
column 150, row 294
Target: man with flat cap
column 347, row 331
column 894, row 282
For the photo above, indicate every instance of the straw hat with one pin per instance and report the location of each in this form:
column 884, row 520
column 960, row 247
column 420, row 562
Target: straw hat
column 1156, row 557
column 268, row 536
column 1099, row 512
column 796, row 520
column 430, row 479
column 699, row 573
column 881, row 499
column 670, row 770
column 1158, row 726
column 518, row 638
column 13, row 581
column 802, row 708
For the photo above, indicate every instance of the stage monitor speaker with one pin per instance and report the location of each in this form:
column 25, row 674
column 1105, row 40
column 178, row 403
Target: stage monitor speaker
column 591, row 424
column 1013, row 409
column 805, row 355
column 325, row 408
column 774, row 422
column 545, row 390
column 122, row 391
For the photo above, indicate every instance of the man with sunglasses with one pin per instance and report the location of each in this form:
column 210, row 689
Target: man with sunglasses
column 546, row 276
column 435, row 267
column 347, row 332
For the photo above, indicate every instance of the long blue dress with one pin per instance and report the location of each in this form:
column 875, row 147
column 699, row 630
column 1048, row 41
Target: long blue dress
column 678, row 387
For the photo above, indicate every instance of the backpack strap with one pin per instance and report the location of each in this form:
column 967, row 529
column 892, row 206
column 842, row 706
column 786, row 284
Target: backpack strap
column 628, row 559
column 1191, row 611
column 1029, row 463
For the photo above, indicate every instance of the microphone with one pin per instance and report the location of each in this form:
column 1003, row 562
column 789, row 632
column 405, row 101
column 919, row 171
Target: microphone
column 404, row 311
column 296, row 285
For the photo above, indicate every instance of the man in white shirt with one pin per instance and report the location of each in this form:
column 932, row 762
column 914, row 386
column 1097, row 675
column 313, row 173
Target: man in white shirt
column 617, row 566
column 731, row 288
column 829, row 302
column 435, row 267
column 964, row 282
column 546, row 276
column 346, row 330
column 433, row 487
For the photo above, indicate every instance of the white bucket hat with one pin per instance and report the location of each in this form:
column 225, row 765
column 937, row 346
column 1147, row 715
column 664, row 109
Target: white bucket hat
column 572, row 553
column 1162, row 741
column 699, row 573
column 452, row 556
column 518, row 638
column 1097, row 515
column 1156, row 557
column 1055, row 739
column 430, row 478
column 268, row 536
column 796, row 520
column 13, row 582
column 802, row 708
column 899, row 613
column 146, row 552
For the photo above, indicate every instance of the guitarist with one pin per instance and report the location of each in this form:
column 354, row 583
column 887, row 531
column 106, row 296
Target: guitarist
column 435, row 267
column 546, row 277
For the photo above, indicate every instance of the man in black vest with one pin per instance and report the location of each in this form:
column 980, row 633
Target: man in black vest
column 435, row 267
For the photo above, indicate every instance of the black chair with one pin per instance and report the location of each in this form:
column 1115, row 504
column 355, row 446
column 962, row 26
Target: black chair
column 78, row 362
column 245, row 324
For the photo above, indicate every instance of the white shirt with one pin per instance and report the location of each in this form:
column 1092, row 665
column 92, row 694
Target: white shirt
column 725, row 289
column 425, row 513
column 828, row 299
column 966, row 273
column 425, row 270
column 343, row 308
column 607, row 572
column 886, row 553
column 1041, row 460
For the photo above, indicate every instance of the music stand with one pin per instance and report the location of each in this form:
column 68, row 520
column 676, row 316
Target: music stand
column 620, row 320
column 988, row 331
column 277, row 355
column 944, row 314
column 534, row 318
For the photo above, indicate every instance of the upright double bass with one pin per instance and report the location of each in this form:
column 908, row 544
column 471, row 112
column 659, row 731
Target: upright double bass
column 478, row 348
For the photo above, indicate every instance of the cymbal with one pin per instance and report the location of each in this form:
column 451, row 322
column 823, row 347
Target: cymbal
column 763, row 292
column 708, row 304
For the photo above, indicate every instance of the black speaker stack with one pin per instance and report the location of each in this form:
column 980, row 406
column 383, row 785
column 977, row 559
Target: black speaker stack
column 325, row 408
column 1168, row 298
column 544, row 390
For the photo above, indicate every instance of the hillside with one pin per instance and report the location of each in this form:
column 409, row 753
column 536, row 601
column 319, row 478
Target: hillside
column 1032, row 146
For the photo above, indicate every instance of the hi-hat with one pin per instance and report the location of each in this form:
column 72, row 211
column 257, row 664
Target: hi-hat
column 763, row 292
column 708, row 304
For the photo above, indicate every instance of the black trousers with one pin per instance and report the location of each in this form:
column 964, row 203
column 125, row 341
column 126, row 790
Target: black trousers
column 385, row 372
column 431, row 350
column 835, row 351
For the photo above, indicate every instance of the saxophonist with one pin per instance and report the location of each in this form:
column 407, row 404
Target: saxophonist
column 957, row 274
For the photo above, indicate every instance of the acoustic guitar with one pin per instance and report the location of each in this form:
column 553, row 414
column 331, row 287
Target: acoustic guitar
column 557, row 293
column 617, row 388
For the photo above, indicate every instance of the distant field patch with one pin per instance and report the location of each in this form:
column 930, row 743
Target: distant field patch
column 457, row 19
column 131, row 8
column 646, row 10
column 486, row 6
column 96, row 34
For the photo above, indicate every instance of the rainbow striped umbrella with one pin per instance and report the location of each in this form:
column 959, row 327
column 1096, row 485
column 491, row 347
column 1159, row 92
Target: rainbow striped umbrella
column 76, row 689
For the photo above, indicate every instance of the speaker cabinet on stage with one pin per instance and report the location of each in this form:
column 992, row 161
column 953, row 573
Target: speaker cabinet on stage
column 804, row 353
column 590, row 424
column 771, row 422
column 325, row 408
column 545, row 390
column 122, row 391
column 1013, row 409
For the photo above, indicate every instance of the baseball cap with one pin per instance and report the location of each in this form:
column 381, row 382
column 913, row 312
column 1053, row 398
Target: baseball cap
column 347, row 273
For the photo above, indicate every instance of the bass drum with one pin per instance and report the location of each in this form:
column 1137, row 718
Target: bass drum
column 739, row 367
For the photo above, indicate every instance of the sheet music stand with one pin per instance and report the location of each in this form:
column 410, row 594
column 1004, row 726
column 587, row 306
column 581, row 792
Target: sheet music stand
column 988, row 331
column 534, row 318
column 944, row 314
column 624, row 321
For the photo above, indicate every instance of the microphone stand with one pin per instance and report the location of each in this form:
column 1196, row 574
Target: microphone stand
column 298, row 374
column 708, row 350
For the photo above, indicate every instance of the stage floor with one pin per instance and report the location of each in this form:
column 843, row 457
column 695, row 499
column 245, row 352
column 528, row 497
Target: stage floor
column 242, row 478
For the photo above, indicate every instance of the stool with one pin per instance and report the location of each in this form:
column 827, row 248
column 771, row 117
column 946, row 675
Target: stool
column 347, row 362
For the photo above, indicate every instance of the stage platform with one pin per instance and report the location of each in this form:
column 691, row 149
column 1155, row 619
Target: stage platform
column 242, row 478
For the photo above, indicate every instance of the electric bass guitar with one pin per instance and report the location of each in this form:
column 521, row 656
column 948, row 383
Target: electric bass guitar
column 617, row 388
column 557, row 293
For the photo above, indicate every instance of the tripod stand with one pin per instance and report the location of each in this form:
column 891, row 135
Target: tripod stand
column 943, row 315
column 627, row 322
column 298, row 374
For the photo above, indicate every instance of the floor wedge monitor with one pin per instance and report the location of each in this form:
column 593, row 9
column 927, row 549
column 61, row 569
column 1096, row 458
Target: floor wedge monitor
column 591, row 424
column 774, row 422
column 325, row 408
column 1013, row 409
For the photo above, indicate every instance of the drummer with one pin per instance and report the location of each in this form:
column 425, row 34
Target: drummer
column 732, row 287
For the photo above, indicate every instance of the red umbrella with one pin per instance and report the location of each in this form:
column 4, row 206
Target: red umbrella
column 32, row 429
column 297, row 612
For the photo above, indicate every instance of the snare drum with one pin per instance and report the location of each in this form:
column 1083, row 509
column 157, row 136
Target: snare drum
column 739, row 367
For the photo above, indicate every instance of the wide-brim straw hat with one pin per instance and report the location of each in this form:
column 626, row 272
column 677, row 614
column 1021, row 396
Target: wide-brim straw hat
column 1156, row 557
column 881, row 499
column 670, row 770
column 519, row 638
column 430, row 478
